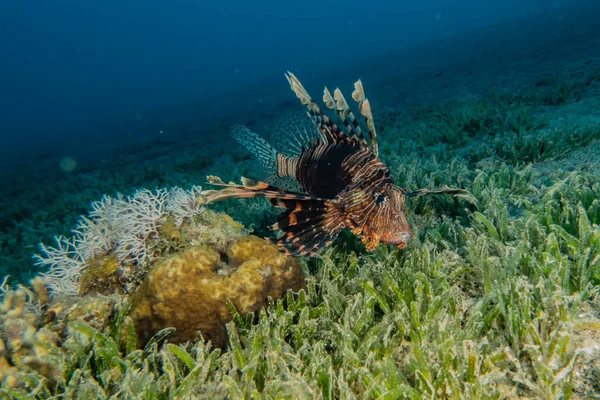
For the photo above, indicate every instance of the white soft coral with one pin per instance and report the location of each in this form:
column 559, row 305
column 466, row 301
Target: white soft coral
column 136, row 220
column 65, row 265
column 184, row 204
column 126, row 226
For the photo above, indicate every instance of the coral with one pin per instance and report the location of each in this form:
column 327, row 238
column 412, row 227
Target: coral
column 136, row 219
column 35, row 334
column 100, row 275
column 184, row 204
column 49, row 343
column 169, row 230
column 64, row 264
column 93, row 309
column 188, row 290
column 127, row 228
column 24, row 342
column 214, row 229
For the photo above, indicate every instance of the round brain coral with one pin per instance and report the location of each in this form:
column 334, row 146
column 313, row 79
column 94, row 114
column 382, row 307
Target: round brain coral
column 188, row 290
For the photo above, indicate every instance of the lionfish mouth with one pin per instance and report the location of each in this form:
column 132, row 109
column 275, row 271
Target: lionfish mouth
column 402, row 239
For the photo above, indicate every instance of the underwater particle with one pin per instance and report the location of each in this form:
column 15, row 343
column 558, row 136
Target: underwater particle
column 438, row 16
column 68, row 164
column 188, row 290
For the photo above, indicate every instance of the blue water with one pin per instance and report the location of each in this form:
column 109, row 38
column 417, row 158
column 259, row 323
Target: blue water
column 67, row 65
column 115, row 83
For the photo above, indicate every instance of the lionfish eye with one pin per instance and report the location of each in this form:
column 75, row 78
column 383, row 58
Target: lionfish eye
column 379, row 198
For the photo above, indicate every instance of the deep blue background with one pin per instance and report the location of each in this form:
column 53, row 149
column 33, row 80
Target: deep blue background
column 67, row 63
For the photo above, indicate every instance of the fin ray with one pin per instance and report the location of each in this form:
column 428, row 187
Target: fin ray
column 338, row 103
column 328, row 130
column 294, row 134
column 262, row 150
column 311, row 228
column 365, row 110
column 248, row 189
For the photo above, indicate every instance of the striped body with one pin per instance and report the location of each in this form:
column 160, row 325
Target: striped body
column 322, row 170
column 341, row 181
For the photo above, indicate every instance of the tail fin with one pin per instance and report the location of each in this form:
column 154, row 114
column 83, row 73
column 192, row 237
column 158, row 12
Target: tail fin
column 258, row 146
column 308, row 224
column 275, row 164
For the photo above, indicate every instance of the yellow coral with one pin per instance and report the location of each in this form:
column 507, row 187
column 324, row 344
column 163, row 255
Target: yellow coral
column 94, row 309
column 22, row 342
column 100, row 275
column 187, row 290
column 169, row 230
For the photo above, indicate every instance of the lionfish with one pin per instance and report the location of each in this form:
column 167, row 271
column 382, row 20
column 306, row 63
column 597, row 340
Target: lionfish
column 341, row 181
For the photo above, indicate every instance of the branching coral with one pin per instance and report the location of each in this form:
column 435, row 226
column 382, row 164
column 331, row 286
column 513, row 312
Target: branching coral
column 65, row 263
column 184, row 204
column 136, row 219
column 125, row 226
column 211, row 274
column 23, row 342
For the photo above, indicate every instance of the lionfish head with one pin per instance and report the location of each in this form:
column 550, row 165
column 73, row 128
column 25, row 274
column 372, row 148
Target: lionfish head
column 387, row 220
